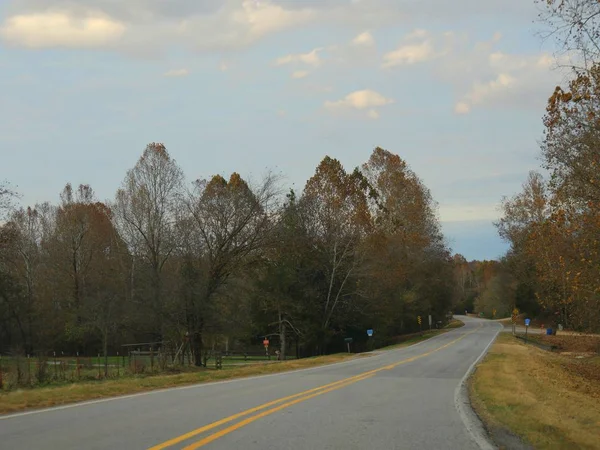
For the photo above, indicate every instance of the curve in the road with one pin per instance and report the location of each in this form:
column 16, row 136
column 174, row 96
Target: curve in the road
column 399, row 399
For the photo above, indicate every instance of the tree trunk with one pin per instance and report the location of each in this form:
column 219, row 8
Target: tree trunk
column 105, row 351
column 196, row 343
column 281, row 337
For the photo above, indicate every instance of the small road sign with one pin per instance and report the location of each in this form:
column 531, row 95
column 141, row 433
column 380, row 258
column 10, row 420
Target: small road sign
column 419, row 319
column 266, row 342
column 527, row 322
column 369, row 333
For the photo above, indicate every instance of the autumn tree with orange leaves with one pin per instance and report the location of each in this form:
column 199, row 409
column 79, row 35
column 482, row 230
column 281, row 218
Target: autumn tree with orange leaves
column 553, row 224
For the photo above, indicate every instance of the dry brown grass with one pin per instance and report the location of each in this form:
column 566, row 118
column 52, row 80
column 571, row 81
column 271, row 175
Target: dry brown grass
column 19, row 400
column 551, row 401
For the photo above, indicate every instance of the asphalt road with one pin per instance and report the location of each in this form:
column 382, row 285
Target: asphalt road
column 399, row 399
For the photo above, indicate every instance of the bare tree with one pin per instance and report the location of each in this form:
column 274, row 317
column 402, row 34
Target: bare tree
column 229, row 227
column 7, row 197
column 145, row 215
column 575, row 24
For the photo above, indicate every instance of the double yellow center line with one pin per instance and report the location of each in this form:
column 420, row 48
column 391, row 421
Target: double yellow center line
column 285, row 402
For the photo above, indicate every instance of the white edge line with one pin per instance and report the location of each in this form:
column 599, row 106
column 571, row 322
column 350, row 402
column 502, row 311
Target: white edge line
column 208, row 383
column 462, row 403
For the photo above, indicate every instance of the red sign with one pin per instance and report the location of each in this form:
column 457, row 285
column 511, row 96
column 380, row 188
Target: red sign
column 266, row 342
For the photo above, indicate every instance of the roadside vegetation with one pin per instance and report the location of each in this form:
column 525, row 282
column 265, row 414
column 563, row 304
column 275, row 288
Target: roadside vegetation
column 171, row 273
column 91, row 385
column 529, row 397
column 64, row 393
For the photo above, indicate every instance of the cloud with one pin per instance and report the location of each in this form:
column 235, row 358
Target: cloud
column 462, row 108
column 364, row 38
column 177, row 73
column 360, row 100
column 62, row 29
column 416, row 47
column 482, row 92
column 373, row 114
column 311, row 58
column 153, row 25
column 299, row 74
column 480, row 74
column 504, row 80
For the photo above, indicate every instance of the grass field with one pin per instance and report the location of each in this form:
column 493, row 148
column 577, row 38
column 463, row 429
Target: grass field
column 548, row 400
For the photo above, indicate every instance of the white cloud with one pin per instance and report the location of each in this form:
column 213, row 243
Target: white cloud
column 417, row 47
column 481, row 74
column 299, row 74
column 373, row 114
column 364, row 38
column 462, row 108
column 500, row 79
column 360, row 100
column 153, row 25
column 62, row 29
column 311, row 58
column 177, row 73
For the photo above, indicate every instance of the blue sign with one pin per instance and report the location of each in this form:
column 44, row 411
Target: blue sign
column 369, row 332
column 527, row 322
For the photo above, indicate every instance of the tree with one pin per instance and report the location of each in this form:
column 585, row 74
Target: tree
column 145, row 212
column 572, row 136
column 7, row 196
column 22, row 258
column 228, row 229
column 406, row 244
column 576, row 26
column 335, row 213
column 91, row 259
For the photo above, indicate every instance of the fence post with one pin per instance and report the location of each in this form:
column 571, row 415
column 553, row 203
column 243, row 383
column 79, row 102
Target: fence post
column 151, row 360
column 99, row 371
column 55, row 369
column 77, row 366
column 28, row 371
column 118, row 368
column 0, row 372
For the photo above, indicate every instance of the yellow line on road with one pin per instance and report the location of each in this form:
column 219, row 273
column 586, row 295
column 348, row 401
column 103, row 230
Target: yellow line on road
column 225, row 420
column 300, row 397
column 251, row 419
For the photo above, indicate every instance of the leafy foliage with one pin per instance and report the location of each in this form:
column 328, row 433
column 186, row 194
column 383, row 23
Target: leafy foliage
column 226, row 262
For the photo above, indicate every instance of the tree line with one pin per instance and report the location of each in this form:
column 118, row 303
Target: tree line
column 553, row 224
column 223, row 260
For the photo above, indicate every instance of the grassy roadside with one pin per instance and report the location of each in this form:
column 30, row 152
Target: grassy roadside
column 530, row 397
column 415, row 338
column 19, row 400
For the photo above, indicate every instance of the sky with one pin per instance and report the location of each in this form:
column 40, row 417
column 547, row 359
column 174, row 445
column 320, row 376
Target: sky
column 457, row 89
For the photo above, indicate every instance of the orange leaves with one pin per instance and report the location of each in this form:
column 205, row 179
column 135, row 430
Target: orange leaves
column 338, row 201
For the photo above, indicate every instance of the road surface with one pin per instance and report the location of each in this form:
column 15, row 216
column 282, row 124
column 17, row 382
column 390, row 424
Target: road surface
column 397, row 399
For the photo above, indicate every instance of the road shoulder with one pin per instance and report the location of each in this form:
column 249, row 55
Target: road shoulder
column 531, row 398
